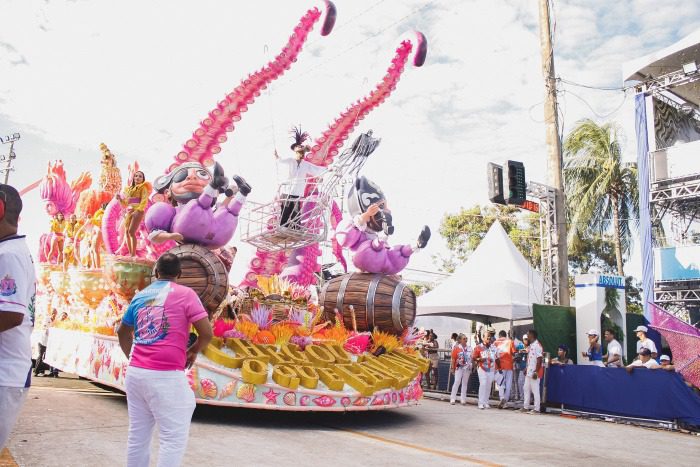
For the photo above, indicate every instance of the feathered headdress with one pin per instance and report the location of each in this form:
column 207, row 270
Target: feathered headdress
column 298, row 136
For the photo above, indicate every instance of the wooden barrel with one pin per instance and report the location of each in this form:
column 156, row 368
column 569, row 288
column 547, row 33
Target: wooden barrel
column 379, row 301
column 203, row 272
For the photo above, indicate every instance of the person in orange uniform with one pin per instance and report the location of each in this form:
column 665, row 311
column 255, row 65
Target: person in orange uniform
column 134, row 200
column 484, row 357
column 58, row 225
column 460, row 367
column 505, row 349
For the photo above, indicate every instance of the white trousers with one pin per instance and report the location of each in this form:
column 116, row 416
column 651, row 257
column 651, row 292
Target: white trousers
column 504, row 383
column 485, row 384
column 461, row 378
column 531, row 386
column 162, row 397
column 11, row 401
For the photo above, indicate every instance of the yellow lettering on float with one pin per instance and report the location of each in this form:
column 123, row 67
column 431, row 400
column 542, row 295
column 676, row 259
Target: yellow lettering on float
column 399, row 366
column 292, row 352
column 307, row 376
column 384, row 380
column 423, row 364
column 397, row 379
column 222, row 358
column 285, row 375
column 319, row 356
column 339, row 353
column 330, row 378
column 276, row 358
column 247, row 350
column 254, row 371
column 359, row 380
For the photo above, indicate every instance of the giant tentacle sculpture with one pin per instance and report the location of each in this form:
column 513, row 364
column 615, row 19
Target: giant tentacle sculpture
column 303, row 261
column 328, row 145
column 207, row 139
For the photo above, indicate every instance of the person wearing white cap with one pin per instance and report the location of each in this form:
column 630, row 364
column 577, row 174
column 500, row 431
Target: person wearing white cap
column 644, row 342
column 595, row 350
column 532, row 373
column 666, row 363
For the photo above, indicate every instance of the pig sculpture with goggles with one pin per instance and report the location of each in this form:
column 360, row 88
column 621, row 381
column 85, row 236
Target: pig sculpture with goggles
column 191, row 213
column 366, row 232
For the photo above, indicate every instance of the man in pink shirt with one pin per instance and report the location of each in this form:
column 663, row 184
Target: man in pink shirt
column 154, row 333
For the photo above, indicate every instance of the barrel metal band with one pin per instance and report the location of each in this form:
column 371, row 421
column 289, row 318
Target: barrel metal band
column 396, row 306
column 341, row 292
column 371, row 292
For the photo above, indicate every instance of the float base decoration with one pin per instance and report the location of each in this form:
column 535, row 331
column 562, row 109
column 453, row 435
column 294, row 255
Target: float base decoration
column 261, row 376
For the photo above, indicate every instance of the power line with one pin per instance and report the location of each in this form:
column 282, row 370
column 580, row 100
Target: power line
column 366, row 39
column 601, row 116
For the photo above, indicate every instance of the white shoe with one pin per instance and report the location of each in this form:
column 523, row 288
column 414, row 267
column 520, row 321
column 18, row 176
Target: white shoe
column 452, row 402
column 481, row 407
column 487, row 406
column 524, row 410
column 533, row 412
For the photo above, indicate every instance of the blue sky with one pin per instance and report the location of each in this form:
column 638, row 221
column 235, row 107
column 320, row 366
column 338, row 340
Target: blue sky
column 140, row 75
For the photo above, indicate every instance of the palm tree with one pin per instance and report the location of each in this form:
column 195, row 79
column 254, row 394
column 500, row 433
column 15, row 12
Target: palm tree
column 601, row 189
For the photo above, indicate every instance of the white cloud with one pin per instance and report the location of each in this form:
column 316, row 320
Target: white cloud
column 140, row 75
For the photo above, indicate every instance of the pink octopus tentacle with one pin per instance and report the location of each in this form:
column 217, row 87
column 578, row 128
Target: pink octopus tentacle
column 328, row 145
column 207, row 139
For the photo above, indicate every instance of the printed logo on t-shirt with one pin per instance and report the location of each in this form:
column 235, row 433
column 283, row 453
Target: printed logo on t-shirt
column 151, row 323
column 8, row 286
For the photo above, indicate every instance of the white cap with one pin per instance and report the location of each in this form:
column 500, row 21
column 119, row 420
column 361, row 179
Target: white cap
column 524, row 336
column 666, row 358
column 592, row 332
column 641, row 329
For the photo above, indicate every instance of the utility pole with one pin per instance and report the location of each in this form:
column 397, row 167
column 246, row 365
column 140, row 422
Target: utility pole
column 554, row 152
column 10, row 157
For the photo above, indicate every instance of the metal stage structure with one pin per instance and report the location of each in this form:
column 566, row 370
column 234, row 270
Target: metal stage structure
column 548, row 239
column 667, row 103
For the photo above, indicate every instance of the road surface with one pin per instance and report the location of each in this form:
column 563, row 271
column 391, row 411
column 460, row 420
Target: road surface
column 71, row 422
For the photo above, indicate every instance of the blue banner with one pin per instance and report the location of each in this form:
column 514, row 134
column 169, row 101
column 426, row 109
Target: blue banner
column 652, row 394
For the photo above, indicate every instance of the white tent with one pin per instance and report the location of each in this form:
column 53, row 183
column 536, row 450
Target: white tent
column 495, row 284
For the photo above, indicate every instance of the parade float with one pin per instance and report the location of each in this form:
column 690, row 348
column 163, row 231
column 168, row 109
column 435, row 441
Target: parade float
column 276, row 345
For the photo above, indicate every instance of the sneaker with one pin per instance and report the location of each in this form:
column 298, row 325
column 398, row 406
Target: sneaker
column 452, row 402
column 481, row 407
column 502, row 404
column 524, row 410
column 533, row 412
column 423, row 237
column 487, row 406
column 243, row 187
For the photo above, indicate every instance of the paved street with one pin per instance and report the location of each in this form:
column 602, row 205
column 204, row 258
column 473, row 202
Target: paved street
column 71, row 422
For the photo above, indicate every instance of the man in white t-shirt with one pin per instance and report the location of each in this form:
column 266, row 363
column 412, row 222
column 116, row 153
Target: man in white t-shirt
column 644, row 342
column 300, row 173
column 613, row 357
column 644, row 361
column 17, row 293
column 532, row 373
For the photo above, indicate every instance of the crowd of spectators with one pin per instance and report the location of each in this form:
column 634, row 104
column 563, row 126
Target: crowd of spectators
column 516, row 366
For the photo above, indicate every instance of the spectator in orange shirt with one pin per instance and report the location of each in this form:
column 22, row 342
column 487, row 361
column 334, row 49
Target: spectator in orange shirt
column 505, row 349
